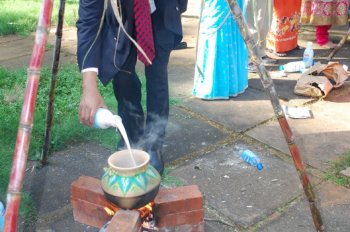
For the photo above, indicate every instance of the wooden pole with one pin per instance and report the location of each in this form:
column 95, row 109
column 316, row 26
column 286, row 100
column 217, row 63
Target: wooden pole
column 288, row 134
column 339, row 45
column 54, row 71
column 14, row 191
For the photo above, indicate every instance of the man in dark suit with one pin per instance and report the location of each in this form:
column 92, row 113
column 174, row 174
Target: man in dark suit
column 106, row 52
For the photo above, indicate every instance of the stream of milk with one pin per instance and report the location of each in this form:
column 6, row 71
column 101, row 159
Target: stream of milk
column 120, row 127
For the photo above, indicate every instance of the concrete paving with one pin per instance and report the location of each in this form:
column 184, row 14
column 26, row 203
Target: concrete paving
column 203, row 143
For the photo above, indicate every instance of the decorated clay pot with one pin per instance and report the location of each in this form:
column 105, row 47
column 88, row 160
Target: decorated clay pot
column 130, row 184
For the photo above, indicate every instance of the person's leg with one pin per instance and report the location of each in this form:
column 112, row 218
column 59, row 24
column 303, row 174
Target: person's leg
column 157, row 107
column 259, row 18
column 127, row 90
column 157, row 100
column 322, row 35
column 158, row 92
column 263, row 19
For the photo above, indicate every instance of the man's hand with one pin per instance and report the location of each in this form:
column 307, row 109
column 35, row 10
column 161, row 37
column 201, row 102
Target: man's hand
column 91, row 99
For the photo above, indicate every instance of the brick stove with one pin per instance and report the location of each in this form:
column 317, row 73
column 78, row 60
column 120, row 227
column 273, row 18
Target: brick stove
column 175, row 210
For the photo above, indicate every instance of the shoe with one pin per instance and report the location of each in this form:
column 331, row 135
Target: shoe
column 156, row 160
column 267, row 60
column 181, row 45
column 328, row 45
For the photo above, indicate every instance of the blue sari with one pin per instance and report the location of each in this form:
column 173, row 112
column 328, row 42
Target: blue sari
column 222, row 58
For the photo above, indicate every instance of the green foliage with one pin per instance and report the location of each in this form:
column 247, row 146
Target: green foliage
column 66, row 126
column 28, row 211
column 170, row 181
column 21, row 16
column 334, row 174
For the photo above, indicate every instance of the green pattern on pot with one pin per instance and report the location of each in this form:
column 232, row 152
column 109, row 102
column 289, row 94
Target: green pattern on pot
column 130, row 186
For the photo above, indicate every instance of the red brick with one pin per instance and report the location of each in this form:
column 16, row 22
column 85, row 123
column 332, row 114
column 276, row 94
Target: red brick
column 185, row 228
column 174, row 207
column 88, row 189
column 89, row 213
column 177, row 200
column 125, row 221
column 177, row 219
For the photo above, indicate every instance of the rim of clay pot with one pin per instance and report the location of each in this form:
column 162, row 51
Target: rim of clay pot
column 125, row 166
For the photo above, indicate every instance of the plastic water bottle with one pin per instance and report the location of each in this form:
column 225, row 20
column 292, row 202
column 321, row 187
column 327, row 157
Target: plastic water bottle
column 308, row 56
column 104, row 119
column 295, row 66
column 249, row 157
column 2, row 215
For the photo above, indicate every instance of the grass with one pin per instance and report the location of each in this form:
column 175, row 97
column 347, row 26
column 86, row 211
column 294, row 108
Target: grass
column 170, row 181
column 21, row 16
column 66, row 127
column 334, row 174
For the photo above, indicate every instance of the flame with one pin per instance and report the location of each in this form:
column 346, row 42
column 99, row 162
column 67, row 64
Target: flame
column 109, row 211
column 144, row 210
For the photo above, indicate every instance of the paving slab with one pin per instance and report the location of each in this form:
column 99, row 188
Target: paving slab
column 214, row 222
column 50, row 185
column 239, row 113
column 320, row 139
column 334, row 208
column 193, row 7
column 284, row 86
column 182, row 62
column 181, row 73
column 187, row 134
column 237, row 190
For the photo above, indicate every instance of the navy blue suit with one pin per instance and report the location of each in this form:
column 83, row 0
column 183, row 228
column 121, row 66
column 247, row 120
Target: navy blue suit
column 115, row 57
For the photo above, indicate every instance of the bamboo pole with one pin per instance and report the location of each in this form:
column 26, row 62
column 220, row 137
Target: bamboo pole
column 339, row 45
column 54, row 71
column 14, row 191
column 288, row 134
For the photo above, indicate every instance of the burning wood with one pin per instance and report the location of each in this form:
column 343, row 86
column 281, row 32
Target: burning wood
column 145, row 212
column 109, row 211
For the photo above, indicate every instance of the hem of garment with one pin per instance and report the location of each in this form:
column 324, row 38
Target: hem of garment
column 223, row 97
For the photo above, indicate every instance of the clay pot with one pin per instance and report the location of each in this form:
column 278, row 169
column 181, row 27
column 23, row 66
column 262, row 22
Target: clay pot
column 127, row 185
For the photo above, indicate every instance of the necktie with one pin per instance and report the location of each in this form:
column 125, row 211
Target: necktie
column 143, row 28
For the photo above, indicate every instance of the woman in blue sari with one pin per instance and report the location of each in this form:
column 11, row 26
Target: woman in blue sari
column 221, row 67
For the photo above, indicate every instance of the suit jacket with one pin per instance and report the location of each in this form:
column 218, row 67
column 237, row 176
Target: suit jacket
column 105, row 49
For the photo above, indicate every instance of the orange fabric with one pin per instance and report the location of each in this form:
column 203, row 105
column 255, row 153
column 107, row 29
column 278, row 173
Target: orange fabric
column 283, row 36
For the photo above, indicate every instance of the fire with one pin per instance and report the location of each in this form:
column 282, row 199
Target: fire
column 146, row 215
column 144, row 210
column 109, row 211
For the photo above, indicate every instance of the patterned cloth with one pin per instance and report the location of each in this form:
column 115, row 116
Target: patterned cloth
column 283, row 36
column 221, row 68
column 143, row 28
column 324, row 12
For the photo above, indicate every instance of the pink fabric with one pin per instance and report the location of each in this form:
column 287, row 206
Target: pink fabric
column 322, row 34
